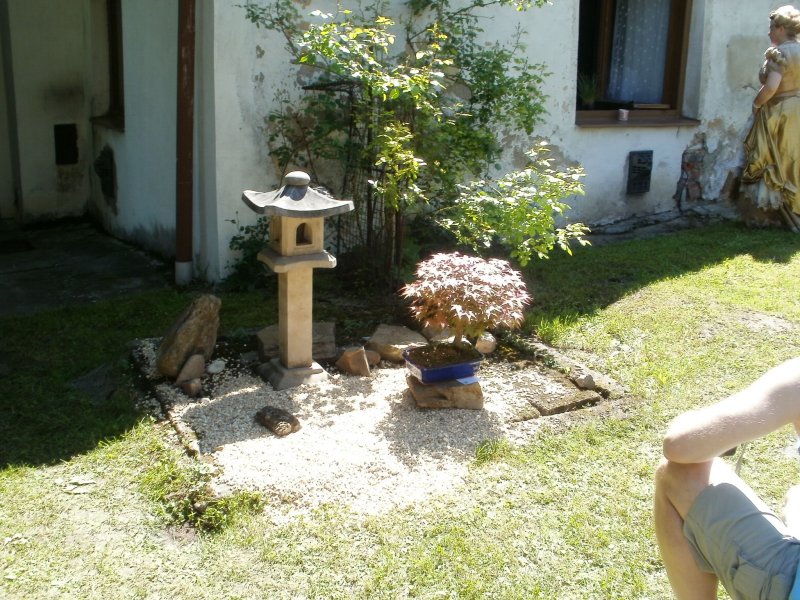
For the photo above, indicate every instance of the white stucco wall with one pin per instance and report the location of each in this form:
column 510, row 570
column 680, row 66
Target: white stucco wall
column 233, row 148
column 48, row 49
column 230, row 152
column 726, row 42
column 144, row 211
column 734, row 44
column 234, row 100
column 239, row 68
column 552, row 39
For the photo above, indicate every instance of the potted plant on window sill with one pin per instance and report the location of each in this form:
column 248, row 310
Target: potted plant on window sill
column 587, row 90
column 468, row 295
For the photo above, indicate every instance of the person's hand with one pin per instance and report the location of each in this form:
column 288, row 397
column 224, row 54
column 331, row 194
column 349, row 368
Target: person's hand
column 755, row 109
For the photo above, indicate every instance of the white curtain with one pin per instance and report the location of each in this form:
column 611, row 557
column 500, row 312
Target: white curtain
column 639, row 50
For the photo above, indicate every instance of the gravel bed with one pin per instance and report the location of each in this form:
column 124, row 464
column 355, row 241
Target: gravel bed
column 362, row 442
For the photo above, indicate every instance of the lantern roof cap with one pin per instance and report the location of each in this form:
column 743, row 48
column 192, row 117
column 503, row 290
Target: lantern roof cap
column 296, row 199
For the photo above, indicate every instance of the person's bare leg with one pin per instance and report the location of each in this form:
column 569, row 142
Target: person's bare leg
column 677, row 486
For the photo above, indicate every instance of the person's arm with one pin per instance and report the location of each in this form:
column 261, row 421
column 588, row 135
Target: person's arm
column 772, row 401
column 767, row 90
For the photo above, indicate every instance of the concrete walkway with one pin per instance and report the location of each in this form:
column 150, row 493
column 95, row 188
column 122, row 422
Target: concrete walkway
column 70, row 263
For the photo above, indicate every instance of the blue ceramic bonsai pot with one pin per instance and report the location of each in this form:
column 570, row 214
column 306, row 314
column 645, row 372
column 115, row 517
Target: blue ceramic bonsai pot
column 433, row 374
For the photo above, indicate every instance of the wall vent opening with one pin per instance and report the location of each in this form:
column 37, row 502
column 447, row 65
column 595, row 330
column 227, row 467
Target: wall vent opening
column 66, row 140
column 640, row 167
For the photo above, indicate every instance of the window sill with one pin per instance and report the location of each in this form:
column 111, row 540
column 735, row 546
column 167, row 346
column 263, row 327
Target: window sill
column 636, row 118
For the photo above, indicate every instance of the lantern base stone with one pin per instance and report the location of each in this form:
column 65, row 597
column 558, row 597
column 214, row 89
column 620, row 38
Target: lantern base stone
column 283, row 378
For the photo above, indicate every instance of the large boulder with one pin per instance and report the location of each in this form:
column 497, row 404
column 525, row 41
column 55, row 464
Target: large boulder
column 194, row 332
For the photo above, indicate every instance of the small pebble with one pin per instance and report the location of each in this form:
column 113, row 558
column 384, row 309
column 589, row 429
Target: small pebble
column 216, row 366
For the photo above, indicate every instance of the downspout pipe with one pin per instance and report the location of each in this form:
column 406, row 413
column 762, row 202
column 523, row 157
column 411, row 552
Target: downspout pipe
column 185, row 144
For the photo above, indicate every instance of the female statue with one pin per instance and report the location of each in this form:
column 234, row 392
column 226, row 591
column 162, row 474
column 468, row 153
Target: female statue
column 772, row 147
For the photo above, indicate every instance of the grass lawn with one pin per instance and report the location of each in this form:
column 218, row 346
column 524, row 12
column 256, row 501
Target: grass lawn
column 88, row 489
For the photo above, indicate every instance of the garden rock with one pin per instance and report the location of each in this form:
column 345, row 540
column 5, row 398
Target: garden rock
column 551, row 405
column 194, row 368
column 446, row 394
column 373, row 358
column 194, row 332
column 323, row 343
column 192, row 387
column 390, row 340
column 579, row 374
column 439, row 333
column 354, row 361
column 486, row 343
column 278, row 421
column 588, row 379
column 215, row 367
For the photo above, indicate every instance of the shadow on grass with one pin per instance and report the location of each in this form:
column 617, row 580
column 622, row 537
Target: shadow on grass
column 46, row 418
column 595, row 277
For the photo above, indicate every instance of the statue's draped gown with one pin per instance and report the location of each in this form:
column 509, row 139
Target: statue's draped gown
column 772, row 147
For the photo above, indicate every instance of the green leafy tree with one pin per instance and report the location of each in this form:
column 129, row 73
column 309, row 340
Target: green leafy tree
column 399, row 115
column 519, row 210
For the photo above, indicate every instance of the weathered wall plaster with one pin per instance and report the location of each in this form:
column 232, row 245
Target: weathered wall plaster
column 145, row 152
column 719, row 87
column 51, row 92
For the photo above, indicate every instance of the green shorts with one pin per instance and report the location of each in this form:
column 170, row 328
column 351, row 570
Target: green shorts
column 750, row 551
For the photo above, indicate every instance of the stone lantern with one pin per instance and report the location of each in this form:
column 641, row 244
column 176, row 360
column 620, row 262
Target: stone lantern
column 296, row 237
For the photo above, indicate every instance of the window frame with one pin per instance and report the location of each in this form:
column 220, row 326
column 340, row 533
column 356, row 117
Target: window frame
column 674, row 71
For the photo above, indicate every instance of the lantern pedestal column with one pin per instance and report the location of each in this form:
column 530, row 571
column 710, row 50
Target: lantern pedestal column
column 295, row 365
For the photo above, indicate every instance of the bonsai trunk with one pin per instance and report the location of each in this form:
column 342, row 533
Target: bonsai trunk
column 458, row 335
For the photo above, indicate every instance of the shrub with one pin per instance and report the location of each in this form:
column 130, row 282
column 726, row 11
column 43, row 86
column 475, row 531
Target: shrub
column 466, row 293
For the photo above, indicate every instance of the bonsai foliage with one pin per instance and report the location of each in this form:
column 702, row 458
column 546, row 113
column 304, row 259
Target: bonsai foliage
column 468, row 294
column 518, row 210
column 398, row 114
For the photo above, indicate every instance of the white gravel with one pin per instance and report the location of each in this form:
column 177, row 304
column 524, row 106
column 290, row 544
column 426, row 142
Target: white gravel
column 362, row 442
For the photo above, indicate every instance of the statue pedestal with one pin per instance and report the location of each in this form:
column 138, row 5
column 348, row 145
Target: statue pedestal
column 283, row 378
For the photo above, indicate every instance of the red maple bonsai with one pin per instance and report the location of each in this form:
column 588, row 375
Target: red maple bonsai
column 466, row 293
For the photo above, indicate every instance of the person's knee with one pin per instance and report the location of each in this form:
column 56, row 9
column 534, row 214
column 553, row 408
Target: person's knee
column 680, row 483
column 668, row 475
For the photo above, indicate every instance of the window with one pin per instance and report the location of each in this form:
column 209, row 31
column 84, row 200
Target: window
column 632, row 55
